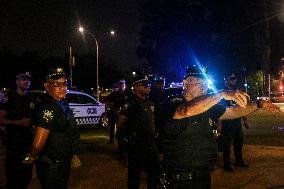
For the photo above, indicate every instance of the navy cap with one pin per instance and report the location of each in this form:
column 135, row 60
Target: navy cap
column 25, row 75
column 140, row 79
column 195, row 71
column 231, row 77
column 55, row 73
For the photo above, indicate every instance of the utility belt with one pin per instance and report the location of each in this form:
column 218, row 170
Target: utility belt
column 188, row 175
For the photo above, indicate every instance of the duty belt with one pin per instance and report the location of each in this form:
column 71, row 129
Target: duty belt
column 189, row 175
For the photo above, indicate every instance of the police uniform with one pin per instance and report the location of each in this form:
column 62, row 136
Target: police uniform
column 158, row 97
column 190, row 149
column 232, row 132
column 118, row 99
column 54, row 162
column 18, row 138
column 142, row 150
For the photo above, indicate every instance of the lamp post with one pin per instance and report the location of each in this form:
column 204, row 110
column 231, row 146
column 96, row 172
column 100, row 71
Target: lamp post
column 71, row 64
column 81, row 30
column 112, row 32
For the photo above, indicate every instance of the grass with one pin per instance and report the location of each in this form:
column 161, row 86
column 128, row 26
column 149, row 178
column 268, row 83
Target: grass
column 264, row 129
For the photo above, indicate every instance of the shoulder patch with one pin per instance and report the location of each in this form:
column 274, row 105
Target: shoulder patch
column 47, row 115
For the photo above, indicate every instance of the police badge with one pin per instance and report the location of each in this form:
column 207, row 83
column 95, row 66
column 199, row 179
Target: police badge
column 47, row 115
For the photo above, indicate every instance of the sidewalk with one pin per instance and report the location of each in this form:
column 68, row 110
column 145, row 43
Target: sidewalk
column 266, row 170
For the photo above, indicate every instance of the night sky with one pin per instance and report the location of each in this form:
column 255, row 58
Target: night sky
column 49, row 27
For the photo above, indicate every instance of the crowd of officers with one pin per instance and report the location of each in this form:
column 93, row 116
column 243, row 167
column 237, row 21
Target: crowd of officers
column 170, row 139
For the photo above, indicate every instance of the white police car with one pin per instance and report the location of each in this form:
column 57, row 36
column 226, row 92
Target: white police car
column 88, row 112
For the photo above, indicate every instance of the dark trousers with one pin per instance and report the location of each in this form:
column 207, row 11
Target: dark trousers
column 52, row 173
column 112, row 117
column 203, row 182
column 18, row 175
column 232, row 134
column 143, row 157
column 121, row 144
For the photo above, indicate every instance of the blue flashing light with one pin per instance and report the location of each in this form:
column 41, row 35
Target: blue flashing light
column 245, row 84
column 176, row 84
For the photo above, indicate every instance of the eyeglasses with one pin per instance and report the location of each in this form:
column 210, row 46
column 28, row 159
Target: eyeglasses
column 59, row 84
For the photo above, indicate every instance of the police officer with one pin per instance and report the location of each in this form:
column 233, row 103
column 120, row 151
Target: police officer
column 137, row 117
column 57, row 138
column 190, row 148
column 158, row 97
column 115, row 102
column 232, row 132
column 16, row 110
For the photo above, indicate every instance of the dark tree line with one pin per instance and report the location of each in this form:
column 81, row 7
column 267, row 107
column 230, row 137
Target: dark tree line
column 84, row 71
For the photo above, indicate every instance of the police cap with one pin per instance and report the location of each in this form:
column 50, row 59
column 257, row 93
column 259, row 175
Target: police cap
column 230, row 77
column 141, row 80
column 195, row 71
column 24, row 76
column 55, row 73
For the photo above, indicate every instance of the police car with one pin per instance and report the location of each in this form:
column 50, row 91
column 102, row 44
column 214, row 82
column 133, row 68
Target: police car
column 87, row 111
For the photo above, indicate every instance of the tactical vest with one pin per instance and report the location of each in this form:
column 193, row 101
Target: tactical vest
column 141, row 120
column 189, row 143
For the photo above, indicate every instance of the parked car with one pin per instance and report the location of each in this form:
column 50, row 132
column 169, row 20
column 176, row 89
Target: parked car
column 87, row 111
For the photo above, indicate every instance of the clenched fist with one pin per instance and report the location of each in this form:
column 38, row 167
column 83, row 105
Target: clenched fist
column 241, row 98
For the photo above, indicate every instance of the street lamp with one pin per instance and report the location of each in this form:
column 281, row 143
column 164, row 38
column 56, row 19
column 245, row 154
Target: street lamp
column 112, row 33
column 81, row 30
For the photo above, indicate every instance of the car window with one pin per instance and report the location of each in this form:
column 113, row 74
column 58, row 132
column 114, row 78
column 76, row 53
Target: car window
column 72, row 98
column 80, row 99
column 86, row 100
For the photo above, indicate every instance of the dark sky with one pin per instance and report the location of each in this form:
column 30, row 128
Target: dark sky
column 50, row 26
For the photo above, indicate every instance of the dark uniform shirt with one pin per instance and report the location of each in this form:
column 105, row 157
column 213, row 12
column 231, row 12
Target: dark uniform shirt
column 18, row 138
column 189, row 142
column 140, row 118
column 63, row 138
column 118, row 99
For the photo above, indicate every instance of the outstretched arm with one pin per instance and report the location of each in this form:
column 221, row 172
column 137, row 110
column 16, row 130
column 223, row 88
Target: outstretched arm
column 204, row 103
column 237, row 112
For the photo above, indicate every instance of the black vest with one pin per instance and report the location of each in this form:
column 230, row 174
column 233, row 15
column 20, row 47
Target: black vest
column 189, row 142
